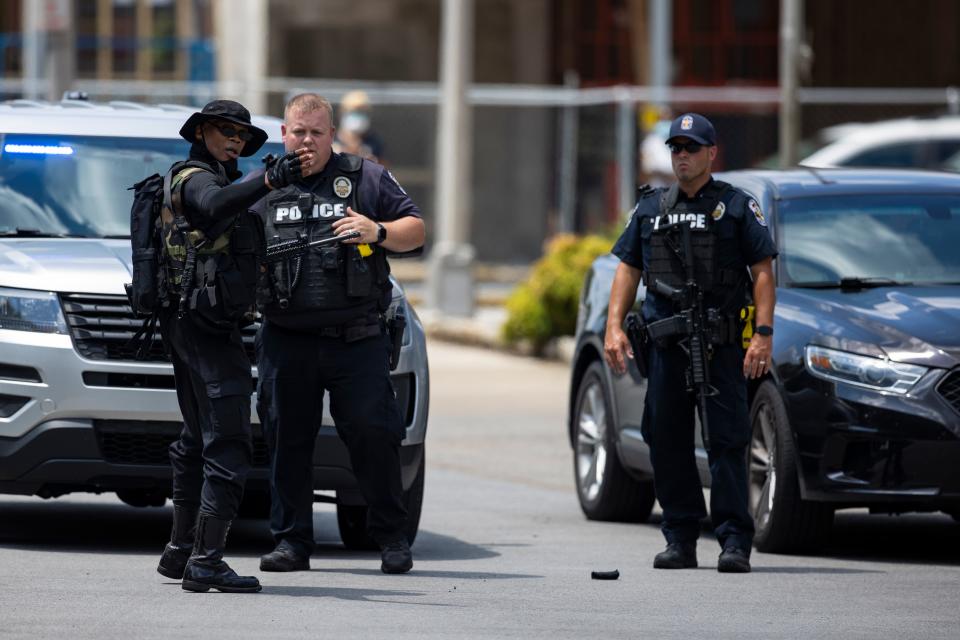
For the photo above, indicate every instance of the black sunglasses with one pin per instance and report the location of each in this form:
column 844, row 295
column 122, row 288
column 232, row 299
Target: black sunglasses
column 689, row 147
column 230, row 131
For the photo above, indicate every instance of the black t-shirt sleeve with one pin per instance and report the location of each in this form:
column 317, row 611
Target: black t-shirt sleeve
column 756, row 243
column 207, row 203
column 629, row 247
column 394, row 203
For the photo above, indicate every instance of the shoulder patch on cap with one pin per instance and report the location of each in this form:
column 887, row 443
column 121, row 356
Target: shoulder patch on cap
column 687, row 123
column 757, row 213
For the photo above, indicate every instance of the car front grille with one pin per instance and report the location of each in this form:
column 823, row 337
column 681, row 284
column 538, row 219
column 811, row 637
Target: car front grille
column 103, row 326
column 146, row 442
column 949, row 389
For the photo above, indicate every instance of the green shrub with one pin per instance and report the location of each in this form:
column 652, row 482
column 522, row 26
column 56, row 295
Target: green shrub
column 545, row 305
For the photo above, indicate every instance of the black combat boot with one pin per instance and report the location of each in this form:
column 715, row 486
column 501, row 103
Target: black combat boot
column 396, row 557
column 177, row 551
column 206, row 569
column 677, row 555
column 284, row 558
column 734, row 560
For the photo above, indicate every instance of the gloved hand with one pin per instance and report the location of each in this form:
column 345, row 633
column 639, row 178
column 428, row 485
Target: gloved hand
column 281, row 172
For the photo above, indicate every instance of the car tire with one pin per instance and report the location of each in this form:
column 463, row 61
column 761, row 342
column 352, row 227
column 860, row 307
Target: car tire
column 352, row 518
column 605, row 490
column 784, row 522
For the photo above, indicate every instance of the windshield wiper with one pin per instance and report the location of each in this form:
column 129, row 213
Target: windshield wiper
column 125, row 236
column 853, row 283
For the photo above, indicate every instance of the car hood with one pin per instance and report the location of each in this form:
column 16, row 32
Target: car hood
column 67, row 265
column 918, row 325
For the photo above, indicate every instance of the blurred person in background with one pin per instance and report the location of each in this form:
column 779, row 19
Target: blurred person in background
column 733, row 250
column 355, row 134
column 656, row 165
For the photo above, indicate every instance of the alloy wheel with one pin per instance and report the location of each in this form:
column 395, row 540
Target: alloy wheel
column 591, row 441
column 763, row 470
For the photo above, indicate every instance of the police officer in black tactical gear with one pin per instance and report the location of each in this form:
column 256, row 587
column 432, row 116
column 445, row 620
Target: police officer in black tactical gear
column 323, row 330
column 732, row 247
column 211, row 262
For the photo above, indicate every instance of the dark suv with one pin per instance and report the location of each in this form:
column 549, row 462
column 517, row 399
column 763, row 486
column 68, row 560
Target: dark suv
column 862, row 405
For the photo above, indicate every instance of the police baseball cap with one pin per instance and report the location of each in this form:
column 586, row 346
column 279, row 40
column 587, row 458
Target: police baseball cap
column 695, row 127
column 231, row 112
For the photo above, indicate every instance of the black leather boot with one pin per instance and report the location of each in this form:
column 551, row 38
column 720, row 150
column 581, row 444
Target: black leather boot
column 177, row 551
column 396, row 557
column 206, row 569
column 677, row 555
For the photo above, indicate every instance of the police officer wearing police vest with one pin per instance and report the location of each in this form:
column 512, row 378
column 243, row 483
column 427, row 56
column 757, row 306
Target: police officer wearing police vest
column 733, row 249
column 324, row 331
column 211, row 261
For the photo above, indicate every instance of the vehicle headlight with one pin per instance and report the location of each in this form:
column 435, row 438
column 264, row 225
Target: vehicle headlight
column 862, row 371
column 23, row 310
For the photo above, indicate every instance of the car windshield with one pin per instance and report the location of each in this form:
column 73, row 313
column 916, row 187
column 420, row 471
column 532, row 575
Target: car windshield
column 77, row 186
column 870, row 239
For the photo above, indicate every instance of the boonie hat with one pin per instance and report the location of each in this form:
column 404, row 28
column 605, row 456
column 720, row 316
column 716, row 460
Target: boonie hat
column 695, row 127
column 231, row 112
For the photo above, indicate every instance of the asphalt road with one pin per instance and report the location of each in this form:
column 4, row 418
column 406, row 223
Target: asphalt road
column 504, row 552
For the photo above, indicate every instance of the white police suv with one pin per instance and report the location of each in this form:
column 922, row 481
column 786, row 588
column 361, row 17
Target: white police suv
column 77, row 411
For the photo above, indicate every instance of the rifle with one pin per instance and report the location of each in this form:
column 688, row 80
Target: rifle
column 693, row 324
column 301, row 244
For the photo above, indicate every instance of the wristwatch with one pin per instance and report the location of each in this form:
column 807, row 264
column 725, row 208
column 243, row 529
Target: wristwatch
column 764, row 330
column 381, row 233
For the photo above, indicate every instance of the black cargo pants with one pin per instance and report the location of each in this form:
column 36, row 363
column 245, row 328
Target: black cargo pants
column 212, row 457
column 294, row 370
column 668, row 428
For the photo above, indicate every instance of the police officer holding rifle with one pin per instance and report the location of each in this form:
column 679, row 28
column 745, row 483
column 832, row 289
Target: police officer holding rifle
column 324, row 330
column 697, row 246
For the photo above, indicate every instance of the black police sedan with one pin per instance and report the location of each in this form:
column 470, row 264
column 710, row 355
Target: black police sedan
column 862, row 405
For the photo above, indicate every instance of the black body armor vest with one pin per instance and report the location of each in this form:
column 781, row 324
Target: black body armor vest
column 665, row 240
column 325, row 286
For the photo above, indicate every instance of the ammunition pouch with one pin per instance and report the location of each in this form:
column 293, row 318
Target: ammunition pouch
column 224, row 291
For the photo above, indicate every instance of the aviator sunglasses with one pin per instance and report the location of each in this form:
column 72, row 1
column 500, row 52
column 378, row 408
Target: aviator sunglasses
column 230, row 131
column 689, row 147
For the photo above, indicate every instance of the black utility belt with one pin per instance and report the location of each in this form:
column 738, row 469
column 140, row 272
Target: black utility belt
column 350, row 332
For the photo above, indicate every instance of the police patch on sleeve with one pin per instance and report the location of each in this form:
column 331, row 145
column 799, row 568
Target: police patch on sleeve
column 752, row 204
column 718, row 212
column 342, row 186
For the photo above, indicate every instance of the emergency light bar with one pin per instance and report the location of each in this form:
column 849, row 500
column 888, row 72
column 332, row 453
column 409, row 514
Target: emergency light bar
column 38, row 149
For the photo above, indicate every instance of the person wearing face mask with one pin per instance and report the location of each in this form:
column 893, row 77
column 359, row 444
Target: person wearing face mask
column 355, row 134
column 732, row 251
column 211, row 259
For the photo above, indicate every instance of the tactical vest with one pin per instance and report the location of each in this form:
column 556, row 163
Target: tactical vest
column 666, row 248
column 215, row 277
column 331, row 284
